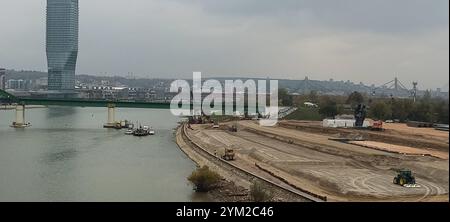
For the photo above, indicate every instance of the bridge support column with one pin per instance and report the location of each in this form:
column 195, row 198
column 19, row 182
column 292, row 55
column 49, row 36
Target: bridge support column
column 20, row 118
column 111, row 116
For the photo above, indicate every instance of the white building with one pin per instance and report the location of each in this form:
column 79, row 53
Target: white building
column 342, row 123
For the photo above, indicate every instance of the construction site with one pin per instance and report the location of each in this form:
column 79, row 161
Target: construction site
column 385, row 162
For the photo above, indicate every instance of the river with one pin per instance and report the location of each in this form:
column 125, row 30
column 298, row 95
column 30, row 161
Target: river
column 67, row 156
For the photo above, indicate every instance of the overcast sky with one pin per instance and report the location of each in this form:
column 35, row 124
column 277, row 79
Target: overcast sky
column 359, row 40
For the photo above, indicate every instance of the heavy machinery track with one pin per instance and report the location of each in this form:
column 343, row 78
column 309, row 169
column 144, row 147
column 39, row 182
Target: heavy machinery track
column 244, row 173
column 431, row 189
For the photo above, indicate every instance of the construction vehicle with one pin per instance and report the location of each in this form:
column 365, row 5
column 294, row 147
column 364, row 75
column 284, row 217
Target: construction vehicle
column 228, row 155
column 216, row 124
column 377, row 126
column 234, row 128
column 405, row 178
column 360, row 115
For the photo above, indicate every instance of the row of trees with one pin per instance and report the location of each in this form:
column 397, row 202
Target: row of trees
column 425, row 109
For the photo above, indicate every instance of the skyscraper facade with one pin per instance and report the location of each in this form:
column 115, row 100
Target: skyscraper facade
column 62, row 44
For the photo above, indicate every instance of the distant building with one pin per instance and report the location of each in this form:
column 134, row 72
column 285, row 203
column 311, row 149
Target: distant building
column 62, row 44
column 12, row 84
column 19, row 84
column 2, row 79
column 41, row 82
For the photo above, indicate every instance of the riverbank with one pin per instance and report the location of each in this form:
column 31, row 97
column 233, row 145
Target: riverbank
column 10, row 107
column 235, row 186
column 224, row 190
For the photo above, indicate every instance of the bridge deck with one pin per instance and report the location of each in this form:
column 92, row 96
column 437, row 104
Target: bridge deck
column 93, row 103
column 82, row 102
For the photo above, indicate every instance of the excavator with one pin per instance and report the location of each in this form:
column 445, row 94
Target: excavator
column 360, row 116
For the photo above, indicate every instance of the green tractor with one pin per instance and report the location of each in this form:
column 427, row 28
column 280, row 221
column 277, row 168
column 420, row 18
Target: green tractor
column 404, row 177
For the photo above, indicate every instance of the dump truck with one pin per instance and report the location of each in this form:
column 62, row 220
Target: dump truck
column 405, row 178
column 229, row 154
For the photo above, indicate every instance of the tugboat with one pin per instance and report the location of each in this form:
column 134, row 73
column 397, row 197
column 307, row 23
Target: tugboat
column 141, row 131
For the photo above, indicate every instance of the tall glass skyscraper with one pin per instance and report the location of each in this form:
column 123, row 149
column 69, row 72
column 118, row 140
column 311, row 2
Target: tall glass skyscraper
column 62, row 44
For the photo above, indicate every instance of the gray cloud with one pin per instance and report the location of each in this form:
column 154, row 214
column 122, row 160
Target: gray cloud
column 360, row 40
column 379, row 15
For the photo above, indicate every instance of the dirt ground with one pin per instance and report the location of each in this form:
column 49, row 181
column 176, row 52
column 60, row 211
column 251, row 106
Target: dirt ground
column 401, row 149
column 339, row 171
column 428, row 133
column 394, row 133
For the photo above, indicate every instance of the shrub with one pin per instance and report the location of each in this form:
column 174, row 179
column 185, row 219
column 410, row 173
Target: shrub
column 260, row 193
column 204, row 179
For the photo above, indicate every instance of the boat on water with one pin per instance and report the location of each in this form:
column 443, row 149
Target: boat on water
column 123, row 124
column 20, row 125
column 151, row 131
column 129, row 132
column 141, row 131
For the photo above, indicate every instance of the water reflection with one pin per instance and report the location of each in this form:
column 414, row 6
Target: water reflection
column 64, row 155
column 56, row 112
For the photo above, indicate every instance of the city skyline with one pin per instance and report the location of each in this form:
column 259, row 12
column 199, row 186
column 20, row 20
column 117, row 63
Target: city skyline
column 363, row 41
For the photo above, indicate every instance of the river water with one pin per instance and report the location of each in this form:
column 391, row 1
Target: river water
column 67, row 156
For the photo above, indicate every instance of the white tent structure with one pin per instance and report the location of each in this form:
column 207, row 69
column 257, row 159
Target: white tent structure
column 342, row 123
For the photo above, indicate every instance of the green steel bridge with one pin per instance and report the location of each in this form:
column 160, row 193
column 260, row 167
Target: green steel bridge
column 22, row 102
column 5, row 96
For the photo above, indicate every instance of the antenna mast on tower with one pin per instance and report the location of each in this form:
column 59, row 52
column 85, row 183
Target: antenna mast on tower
column 415, row 91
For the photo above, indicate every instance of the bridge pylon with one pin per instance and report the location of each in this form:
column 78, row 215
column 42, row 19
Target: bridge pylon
column 20, row 117
column 111, row 116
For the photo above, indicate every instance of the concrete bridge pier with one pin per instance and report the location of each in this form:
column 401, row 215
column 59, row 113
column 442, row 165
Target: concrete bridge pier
column 20, row 118
column 111, row 116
